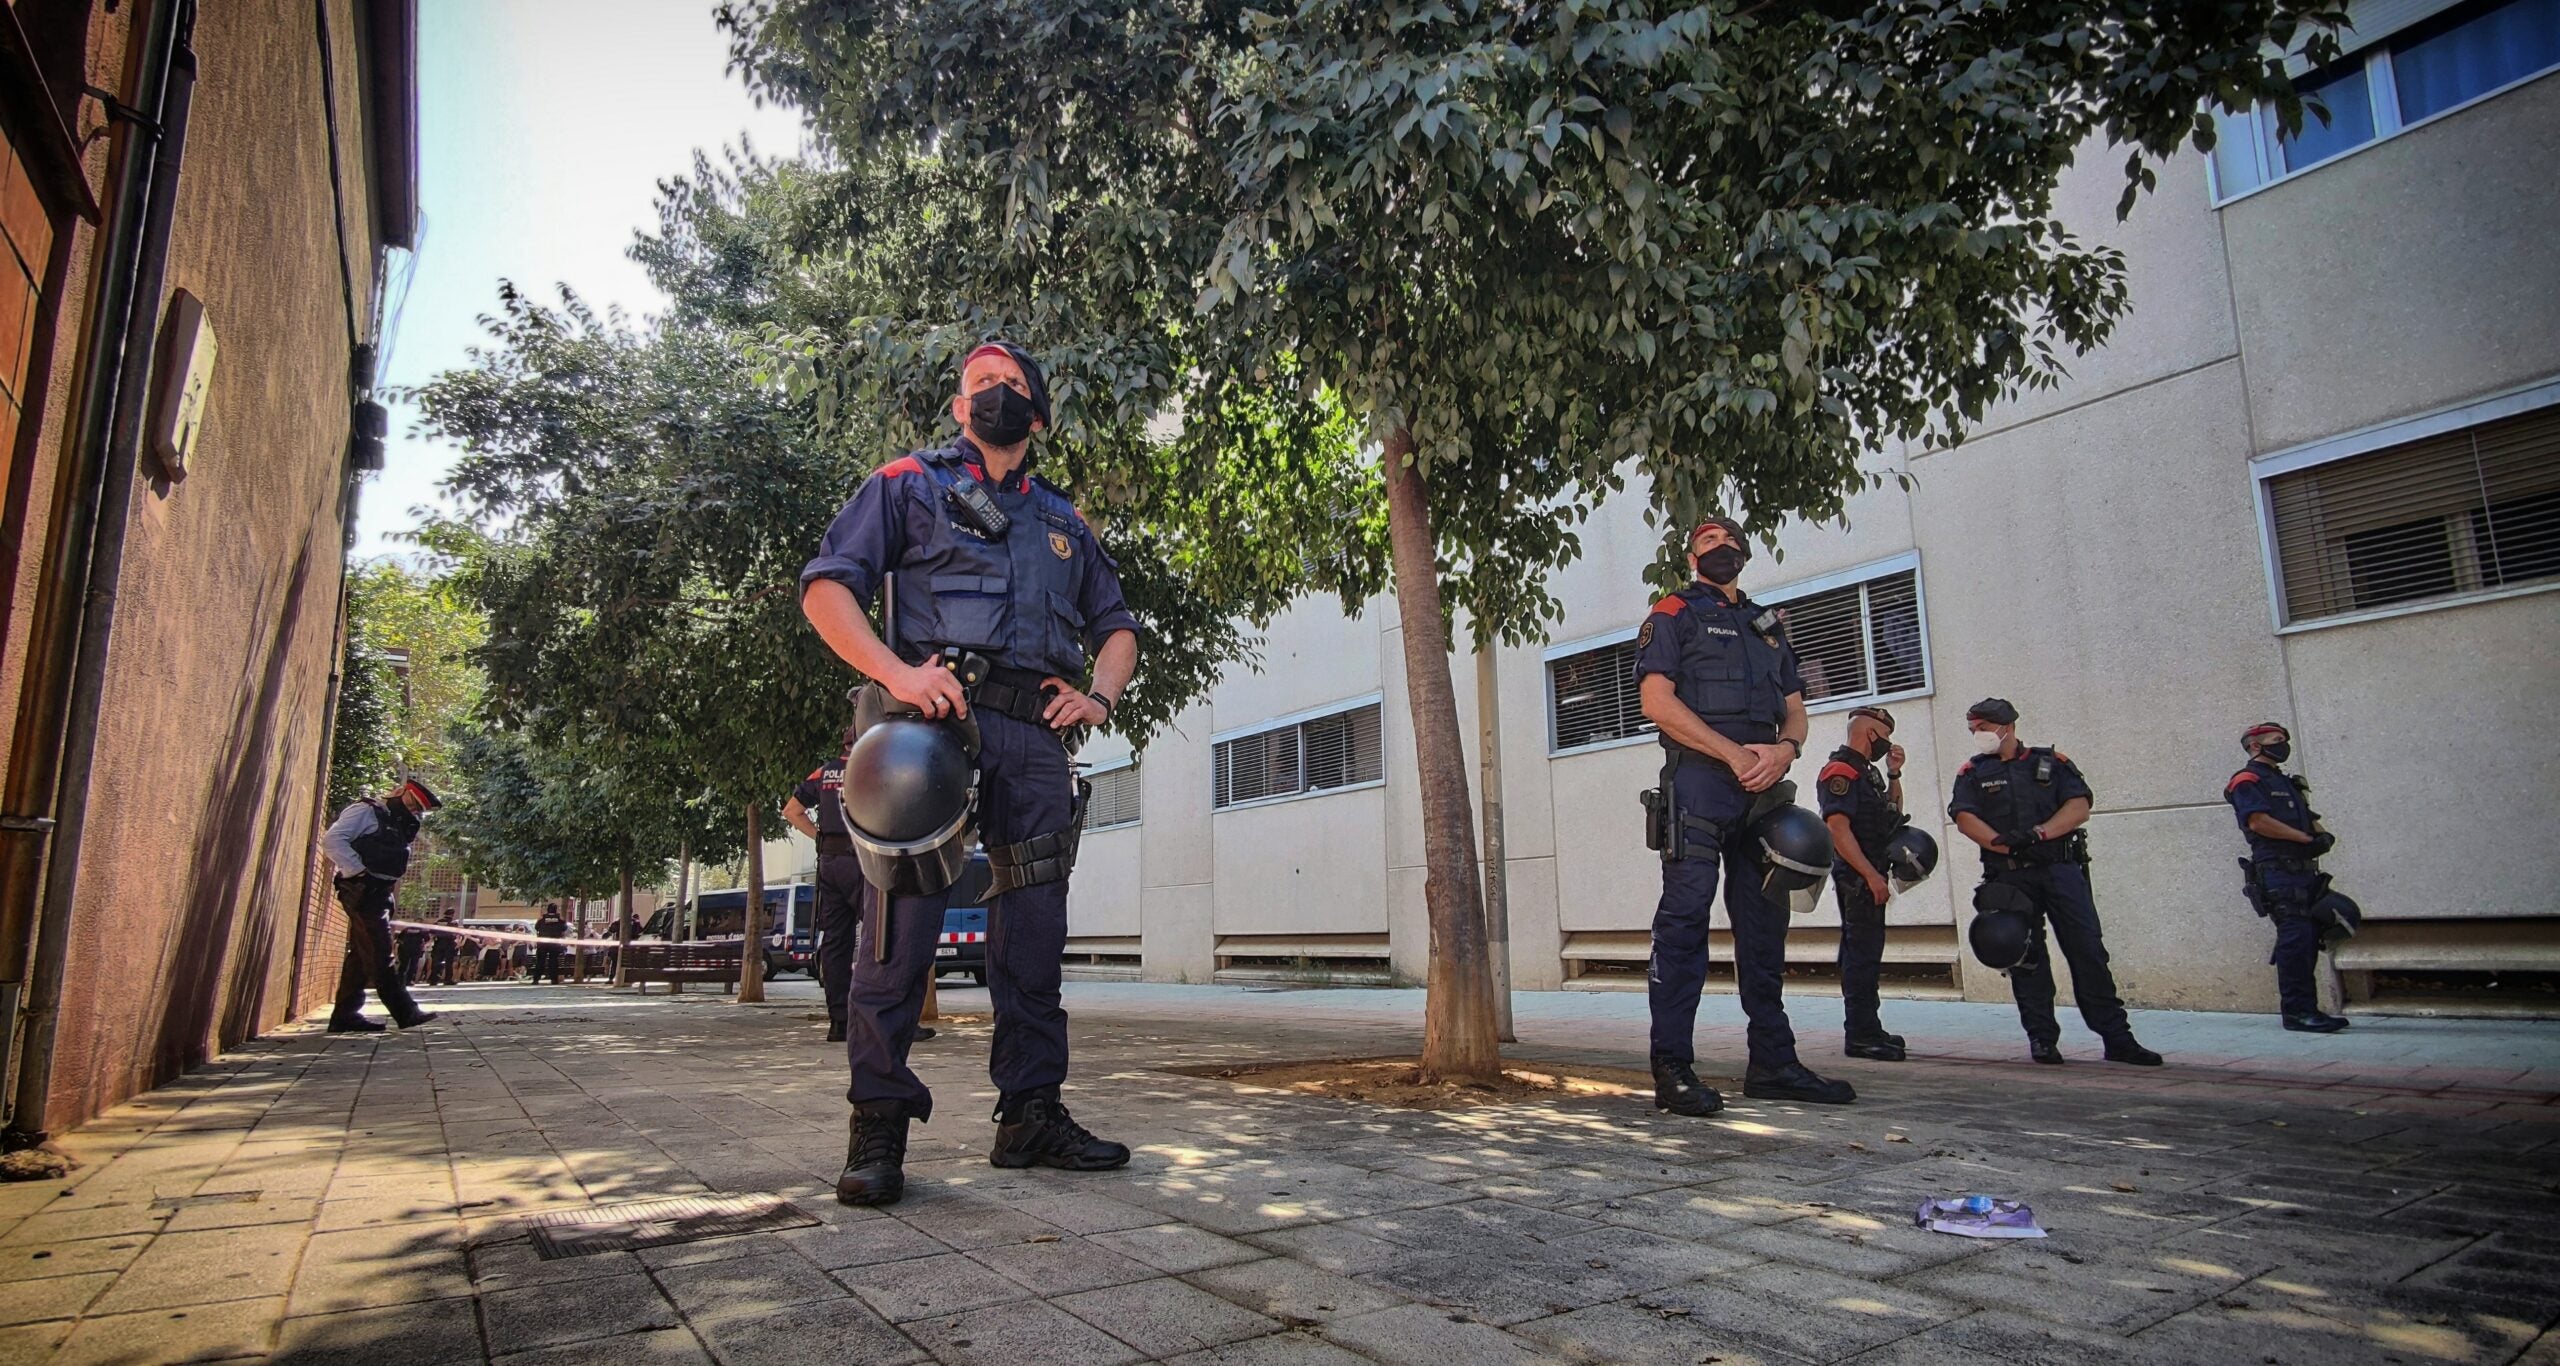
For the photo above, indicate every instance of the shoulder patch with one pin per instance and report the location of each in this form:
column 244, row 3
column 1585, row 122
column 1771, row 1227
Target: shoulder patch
column 1837, row 787
column 816, row 773
column 1965, row 767
column 905, row 464
column 1644, row 634
column 1839, row 770
column 1671, row 606
column 2062, row 756
column 2243, row 776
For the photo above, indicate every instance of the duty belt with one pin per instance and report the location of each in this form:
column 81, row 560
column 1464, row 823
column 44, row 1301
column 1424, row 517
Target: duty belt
column 831, row 843
column 2071, row 848
column 1015, row 692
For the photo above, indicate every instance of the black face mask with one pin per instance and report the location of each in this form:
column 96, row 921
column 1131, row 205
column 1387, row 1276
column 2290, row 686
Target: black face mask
column 1883, row 746
column 1721, row 565
column 1001, row 416
column 2276, row 751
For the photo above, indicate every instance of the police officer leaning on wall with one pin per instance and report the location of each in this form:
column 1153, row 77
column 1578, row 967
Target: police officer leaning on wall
column 1861, row 796
column 1719, row 681
column 2282, row 872
column 1031, row 598
column 2025, row 805
column 369, row 846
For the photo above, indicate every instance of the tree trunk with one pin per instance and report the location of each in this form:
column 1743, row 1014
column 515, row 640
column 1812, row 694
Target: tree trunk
column 578, row 929
column 622, row 928
column 681, row 918
column 751, row 948
column 1458, row 1034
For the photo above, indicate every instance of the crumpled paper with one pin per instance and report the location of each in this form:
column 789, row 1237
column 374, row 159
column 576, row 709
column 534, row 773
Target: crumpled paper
column 1978, row 1216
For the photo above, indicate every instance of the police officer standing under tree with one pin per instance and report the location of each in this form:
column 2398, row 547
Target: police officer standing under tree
column 996, row 563
column 1862, row 803
column 2025, row 806
column 1718, row 679
column 2283, row 870
column 369, row 845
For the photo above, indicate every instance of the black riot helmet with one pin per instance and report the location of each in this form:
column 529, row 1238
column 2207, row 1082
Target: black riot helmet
column 1795, row 851
column 2339, row 916
column 1910, row 856
column 910, row 790
column 2004, row 925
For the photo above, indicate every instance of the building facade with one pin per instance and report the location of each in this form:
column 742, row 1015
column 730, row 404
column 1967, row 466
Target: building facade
column 2315, row 477
column 190, row 297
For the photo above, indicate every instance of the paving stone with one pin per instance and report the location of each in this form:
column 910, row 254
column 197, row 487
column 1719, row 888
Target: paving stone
column 47, row 1228
column 2113, row 1289
column 1292, row 1291
column 1333, row 1247
column 1178, row 1248
column 1418, row 1335
column 1079, row 1213
column 56, row 1297
column 367, row 1268
column 1062, row 1266
column 650, row 1347
column 709, row 1291
column 242, row 1213
column 1279, row 1349
column 199, row 1268
column 2262, row 1322
column 1165, row 1317
column 33, row 1343
column 198, row 1332
column 836, row 1246
column 1802, row 1311
column 969, row 1222
column 514, row 1264
column 445, row 1331
column 1015, row 1334
column 1996, row 1338
column 1634, row 1334
column 546, row 1316
column 30, row 1263
column 927, row 1286
column 820, row 1333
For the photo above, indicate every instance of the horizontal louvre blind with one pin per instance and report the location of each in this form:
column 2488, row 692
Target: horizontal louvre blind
column 1344, row 749
column 1829, row 631
column 2445, row 514
column 1114, row 800
column 1893, row 624
column 1596, row 698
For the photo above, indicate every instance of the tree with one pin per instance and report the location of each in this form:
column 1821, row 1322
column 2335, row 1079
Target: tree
column 422, row 635
column 1530, row 250
column 364, row 756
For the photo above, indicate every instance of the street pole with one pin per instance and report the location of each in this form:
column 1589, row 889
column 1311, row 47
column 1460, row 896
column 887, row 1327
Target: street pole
column 1497, row 901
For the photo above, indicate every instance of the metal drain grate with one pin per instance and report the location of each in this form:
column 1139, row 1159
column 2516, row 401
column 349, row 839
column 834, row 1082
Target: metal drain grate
column 656, row 1223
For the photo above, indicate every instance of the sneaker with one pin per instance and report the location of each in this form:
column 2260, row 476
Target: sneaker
column 1038, row 1131
column 2316, row 1022
column 875, row 1158
column 2044, row 1052
column 353, row 1024
column 1882, row 1048
column 1676, row 1088
column 2124, row 1049
column 1795, row 1081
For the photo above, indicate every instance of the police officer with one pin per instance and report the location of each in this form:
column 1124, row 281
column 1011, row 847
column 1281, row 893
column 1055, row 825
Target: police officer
column 2025, row 806
column 1718, row 679
column 2283, row 869
column 369, row 845
column 1861, row 795
column 1031, row 592
column 815, row 811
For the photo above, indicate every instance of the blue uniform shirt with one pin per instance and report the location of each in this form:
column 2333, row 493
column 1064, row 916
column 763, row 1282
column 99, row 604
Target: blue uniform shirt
column 2262, row 788
column 1851, row 785
column 2008, row 793
column 1040, row 599
column 1736, row 679
column 817, row 795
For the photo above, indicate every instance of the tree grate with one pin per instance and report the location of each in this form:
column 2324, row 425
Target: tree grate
column 657, row 1223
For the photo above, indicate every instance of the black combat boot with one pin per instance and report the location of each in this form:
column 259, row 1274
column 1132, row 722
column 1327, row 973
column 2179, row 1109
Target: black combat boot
column 353, row 1024
column 2045, row 1051
column 835, row 1032
column 1795, row 1081
column 1877, row 1047
column 2317, row 1022
column 416, row 1020
column 2122, row 1048
column 1034, row 1129
column 875, row 1161
column 1676, row 1088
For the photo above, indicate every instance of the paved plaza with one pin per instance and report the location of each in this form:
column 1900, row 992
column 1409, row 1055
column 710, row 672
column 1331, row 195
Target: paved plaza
column 2385, row 1196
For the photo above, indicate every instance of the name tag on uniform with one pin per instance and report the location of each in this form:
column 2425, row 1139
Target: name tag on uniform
column 1992, row 784
column 1724, row 631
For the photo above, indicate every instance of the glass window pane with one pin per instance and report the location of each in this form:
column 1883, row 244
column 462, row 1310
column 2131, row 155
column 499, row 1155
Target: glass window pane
column 2349, row 125
column 2235, row 151
column 2471, row 52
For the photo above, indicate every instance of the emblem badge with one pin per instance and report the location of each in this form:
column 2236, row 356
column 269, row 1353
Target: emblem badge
column 1839, row 787
column 1060, row 546
column 1644, row 637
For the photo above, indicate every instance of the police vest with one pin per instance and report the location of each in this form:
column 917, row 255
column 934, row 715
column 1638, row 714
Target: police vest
column 385, row 850
column 1729, row 673
column 2283, row 794
column 830, row 812
column 1872, row 818
column 1012, row 599
column 2020, row 791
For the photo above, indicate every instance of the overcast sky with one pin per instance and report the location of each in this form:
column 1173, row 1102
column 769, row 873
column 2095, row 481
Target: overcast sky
column 544, row 127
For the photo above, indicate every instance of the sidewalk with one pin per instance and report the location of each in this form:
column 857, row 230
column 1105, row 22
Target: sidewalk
column 2386, row 1195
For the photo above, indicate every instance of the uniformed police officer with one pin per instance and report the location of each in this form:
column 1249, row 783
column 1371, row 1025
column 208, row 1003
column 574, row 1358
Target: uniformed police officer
column 815, row 811
column 1862, row 803
column 2025, row 805
column 1032, row 598
column 1719, row 681
column 2285, row 845
column 369, row 845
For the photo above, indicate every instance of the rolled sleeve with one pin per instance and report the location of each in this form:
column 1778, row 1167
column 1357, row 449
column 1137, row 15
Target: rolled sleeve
column 1098, row 596
column 1967, row 797
column 2068, row 785
column 1790, row 678
column 2247, row 799
column 862, row 543
column 1658, row 644
column 1843, row 802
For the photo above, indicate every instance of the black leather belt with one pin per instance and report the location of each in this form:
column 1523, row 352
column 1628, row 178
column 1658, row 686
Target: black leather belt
column 834, row 844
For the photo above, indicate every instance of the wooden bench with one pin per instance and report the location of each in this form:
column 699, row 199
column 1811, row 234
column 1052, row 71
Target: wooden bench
column 677, row 964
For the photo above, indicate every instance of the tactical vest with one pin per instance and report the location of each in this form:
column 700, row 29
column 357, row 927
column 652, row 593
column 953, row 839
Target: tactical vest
column 1874, row 821
column 385, row 850
column 1013, row 600
column 2018, row 791
column 1729, row 673
column 2286, row 802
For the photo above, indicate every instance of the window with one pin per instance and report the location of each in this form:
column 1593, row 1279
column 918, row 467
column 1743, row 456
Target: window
column 2440, row 58
column 1859, row 639
column 1114, row 802
column 1339, row 749
column 2458, row 510
column 1592, row 697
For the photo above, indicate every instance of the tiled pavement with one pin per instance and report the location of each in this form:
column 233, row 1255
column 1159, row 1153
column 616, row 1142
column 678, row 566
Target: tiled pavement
column 2385, row 1196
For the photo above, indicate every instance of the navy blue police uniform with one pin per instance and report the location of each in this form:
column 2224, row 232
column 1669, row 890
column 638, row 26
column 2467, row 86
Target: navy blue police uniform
column 1853, row 787
column 1033, row 602
column 1737, row 680
column 840, row 886
column 2287, row 876
column 2026, row 791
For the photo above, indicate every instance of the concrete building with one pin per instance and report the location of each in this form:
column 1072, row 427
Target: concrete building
column 2315, row 477
column 190, row 293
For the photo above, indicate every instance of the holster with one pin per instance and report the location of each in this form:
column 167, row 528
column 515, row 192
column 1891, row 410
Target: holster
column 2251, row 888
column 1041, row 858
column 1669, row 831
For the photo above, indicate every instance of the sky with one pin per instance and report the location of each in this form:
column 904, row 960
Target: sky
column 544, row 128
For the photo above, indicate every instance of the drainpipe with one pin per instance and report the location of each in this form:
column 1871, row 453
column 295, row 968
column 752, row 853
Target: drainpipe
column 127, row 324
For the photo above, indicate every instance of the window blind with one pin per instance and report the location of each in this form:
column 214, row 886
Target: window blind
column 2456, row 513
column 1344, row 749
column 1114, row 800
column 1596, row 699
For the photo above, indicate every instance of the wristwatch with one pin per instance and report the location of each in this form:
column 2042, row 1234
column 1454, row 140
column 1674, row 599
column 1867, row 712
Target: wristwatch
column 1791, row 740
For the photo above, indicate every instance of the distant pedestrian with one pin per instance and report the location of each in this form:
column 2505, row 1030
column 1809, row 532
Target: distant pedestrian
column 493, row 961
column 442, row 953
column 546, row 958
column 369, row 845
column 413, row 948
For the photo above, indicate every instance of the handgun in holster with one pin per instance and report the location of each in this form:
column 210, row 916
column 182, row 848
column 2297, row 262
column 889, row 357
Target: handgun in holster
column 2252, row 888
